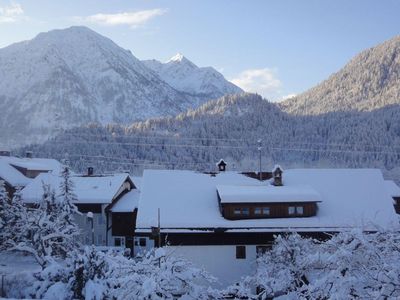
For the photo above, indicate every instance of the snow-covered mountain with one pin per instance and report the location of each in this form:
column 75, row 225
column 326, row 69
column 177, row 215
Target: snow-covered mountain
column 229, row 128
column 70, row 77
column 371, row 80
column 185, row 76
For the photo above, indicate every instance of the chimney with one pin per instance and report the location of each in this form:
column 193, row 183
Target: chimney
column 90, row 171
column 29, row 154
column 221, row 165
column 277, row 176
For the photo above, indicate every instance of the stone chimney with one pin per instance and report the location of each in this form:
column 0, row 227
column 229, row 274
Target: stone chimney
column 277, row 176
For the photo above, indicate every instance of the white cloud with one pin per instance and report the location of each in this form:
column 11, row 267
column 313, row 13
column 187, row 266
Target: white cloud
column 261, row 81
column 11, row 13
column 133, row 19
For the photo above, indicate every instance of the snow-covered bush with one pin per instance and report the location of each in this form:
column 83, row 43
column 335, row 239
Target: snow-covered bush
column 161, row 276
column 351, row 264
column 15, row 216
column 95, row 275
column 45, row 231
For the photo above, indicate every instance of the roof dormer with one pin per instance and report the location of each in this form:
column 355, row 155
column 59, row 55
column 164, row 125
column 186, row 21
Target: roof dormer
column 277, row 176
column 221, row 165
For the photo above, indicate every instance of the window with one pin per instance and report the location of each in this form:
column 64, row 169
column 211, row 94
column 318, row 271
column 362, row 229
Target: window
column 241, row 252
column 291, row 210
column 117, row 242
column 257, row 211
column 266, row 211
column 142, row 242
column 244, row 211
column 296, row 210
column 299, row 210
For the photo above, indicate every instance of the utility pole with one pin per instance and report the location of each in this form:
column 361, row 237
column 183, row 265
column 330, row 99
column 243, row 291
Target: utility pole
column 259, row 141
column 159, row 229
column 159, row 237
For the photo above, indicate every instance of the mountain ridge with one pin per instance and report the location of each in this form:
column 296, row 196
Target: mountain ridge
column 370, row 80
column 69, row 77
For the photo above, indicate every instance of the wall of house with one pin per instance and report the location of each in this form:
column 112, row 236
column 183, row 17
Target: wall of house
column 220, row 261
column 99, row 226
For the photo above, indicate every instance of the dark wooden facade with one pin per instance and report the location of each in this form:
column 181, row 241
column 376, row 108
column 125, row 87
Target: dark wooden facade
column 123, row 224
column 85, row 208
column 259, row 210
column 397, row 204
column 29, row 173
column 225, row 238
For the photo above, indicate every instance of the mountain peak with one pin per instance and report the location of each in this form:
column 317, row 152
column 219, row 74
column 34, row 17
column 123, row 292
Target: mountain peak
column 179, row 57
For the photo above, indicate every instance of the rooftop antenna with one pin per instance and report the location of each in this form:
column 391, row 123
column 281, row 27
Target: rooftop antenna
column 259, row 148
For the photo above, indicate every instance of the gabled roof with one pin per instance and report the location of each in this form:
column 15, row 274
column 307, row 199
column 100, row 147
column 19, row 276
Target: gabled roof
column 188, row 200
column 15, row 178
column 12, row 176
column 266, row 194
column 88, row 189
column 127, row 203
column 392, row 188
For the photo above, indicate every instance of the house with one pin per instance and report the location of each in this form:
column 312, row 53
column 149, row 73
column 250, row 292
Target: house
column 107, row 203
column 18, row 172
column 394, row 191
column 222, row 221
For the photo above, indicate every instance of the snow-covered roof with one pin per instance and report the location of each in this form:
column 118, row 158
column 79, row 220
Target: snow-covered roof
column 392, row 188
column 128, row 202
column 12, row 175
column 90, row 189
column 188, row 200
column 15, row 178
column 266, row 194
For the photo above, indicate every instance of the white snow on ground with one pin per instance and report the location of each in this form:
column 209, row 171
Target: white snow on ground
column 350, row 197
column 266, row 194
column 15, row 262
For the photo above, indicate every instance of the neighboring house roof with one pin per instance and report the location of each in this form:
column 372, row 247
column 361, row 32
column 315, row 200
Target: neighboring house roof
column 188, row 200
column 392, row 188
column 266, row 194
column 11, row 175
column 127, row 203
column 15, row 178
column 89, row 189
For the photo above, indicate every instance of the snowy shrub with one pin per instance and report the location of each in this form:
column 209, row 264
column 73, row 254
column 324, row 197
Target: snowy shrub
column 161, row 276
column 95, row 275
column 351, row 264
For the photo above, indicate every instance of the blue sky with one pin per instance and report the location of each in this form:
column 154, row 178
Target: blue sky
column 275, row 48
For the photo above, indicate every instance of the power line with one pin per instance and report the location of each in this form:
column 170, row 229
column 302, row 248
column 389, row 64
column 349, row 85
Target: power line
column 223, row 139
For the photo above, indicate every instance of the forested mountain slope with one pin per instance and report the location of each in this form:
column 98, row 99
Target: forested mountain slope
column 371, row 80
column 229, row 128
